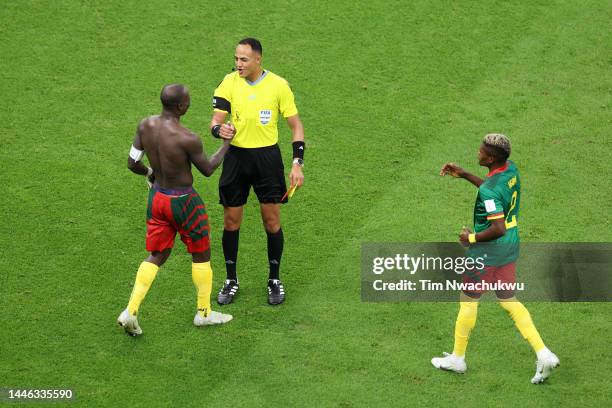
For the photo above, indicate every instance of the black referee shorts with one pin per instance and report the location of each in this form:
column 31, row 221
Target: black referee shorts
column 260, row 167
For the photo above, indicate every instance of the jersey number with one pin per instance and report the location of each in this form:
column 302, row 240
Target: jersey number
column 511, row 220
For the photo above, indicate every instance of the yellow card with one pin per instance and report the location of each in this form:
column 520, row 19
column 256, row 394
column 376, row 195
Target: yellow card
column 290, row 192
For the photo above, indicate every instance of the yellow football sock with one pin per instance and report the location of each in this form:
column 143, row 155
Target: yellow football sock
column 522, row 318
column 144, row 278
column 201, row 273
column 466, row 320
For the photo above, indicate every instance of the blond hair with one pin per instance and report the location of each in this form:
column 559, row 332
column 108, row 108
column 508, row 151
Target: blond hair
column 499, row 141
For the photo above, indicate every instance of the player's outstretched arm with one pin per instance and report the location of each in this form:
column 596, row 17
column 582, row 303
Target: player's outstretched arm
column 458, row 172
column 198, row 157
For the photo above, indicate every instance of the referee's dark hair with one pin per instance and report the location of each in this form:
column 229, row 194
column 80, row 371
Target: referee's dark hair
column 254, row 43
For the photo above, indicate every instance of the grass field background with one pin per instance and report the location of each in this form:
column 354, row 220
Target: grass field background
column 388, row 92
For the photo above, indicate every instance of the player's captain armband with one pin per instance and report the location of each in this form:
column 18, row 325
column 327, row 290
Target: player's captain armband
column 222, row 104
column 136, row 154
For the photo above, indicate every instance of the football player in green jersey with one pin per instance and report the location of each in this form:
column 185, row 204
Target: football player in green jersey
column 496, row 215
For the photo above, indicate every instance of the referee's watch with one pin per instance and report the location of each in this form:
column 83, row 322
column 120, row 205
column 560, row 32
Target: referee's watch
column 299, row 162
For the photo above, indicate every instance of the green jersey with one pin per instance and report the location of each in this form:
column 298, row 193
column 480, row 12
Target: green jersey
column 498, row 197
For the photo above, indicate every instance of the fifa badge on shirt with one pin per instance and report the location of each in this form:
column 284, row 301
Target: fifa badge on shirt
column 265, row 116
column 489, row 205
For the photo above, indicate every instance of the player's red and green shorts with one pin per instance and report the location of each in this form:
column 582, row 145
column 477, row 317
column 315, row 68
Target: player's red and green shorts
column 176, row 210
column 491, row 275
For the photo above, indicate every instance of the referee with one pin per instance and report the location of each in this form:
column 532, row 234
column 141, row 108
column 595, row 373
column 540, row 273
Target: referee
column 255, row 98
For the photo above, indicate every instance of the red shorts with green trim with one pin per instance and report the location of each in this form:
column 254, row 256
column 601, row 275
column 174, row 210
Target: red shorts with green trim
column 492, row 274
column 176, row 210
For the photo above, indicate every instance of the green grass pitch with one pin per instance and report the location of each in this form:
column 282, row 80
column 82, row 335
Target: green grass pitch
column 388, row 91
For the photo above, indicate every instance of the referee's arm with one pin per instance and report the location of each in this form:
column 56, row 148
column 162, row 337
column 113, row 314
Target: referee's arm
column 297, row 129
column 225, row 131
column 296, row 176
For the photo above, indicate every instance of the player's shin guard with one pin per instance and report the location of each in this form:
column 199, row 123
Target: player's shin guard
column 275, row 252
column 230, row 251
column 466, row 320
column 201, row 273
column 144, row 278
column 522, row 319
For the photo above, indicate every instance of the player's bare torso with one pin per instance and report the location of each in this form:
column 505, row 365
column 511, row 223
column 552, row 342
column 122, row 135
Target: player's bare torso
column 165, row 142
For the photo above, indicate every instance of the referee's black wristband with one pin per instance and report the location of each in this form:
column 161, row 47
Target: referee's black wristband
column 298, row 150
column 215, row 131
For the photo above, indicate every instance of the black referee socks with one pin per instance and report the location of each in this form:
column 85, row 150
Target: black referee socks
column 230, row 252
column 275, row 252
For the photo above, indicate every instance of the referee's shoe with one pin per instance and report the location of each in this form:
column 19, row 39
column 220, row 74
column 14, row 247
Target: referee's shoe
column 227, row 292
column 276, row 292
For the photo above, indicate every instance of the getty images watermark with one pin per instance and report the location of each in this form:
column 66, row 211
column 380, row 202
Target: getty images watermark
column 532, row 271
column 459, row 265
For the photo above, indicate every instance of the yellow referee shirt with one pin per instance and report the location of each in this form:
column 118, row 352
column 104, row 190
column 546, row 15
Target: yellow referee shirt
column 255, row 107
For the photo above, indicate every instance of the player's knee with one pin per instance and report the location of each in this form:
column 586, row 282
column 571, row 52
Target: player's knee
column 159, row 257
column 470, row 296
column 200, row 257
column 504, row 295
